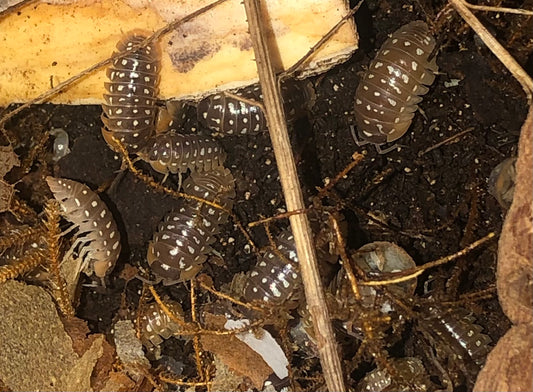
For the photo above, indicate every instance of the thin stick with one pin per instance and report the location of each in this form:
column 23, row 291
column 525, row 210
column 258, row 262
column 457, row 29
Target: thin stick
column 445, row 141
column 499, row 51
column 277, row 126
column 499, row 9
column 61, row 86
column 356, row 158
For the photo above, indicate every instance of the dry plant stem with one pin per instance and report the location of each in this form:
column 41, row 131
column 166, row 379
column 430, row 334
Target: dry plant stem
column 196, row 338
column 277, row 126
column 499, row 51
column 196, row 329
column 356, row 158
column 26, row 263
column 344, row 257
column 166, row 377
column 414, row 272
column 61, row 86
column 499, row 9
column 266, row 221
column 53, row 240
column 228, row 297
column 445, row 141
column 250, row 102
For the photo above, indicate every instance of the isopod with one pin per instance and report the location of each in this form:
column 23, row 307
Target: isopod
column 224, row 114
column 409, row 375
column 181, row 243
column 276, row 276
column 389, row 93
column 97, row 237
column 156, row 325
column 129, row 109
column 456, row 338
column 176, row 153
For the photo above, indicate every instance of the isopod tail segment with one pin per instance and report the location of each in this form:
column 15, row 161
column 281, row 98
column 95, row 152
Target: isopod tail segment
column 130, row 103
column 391, row 89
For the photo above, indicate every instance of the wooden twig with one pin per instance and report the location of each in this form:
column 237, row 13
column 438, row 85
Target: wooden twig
column 301, row 229
column 499, row 51
column 505, row 10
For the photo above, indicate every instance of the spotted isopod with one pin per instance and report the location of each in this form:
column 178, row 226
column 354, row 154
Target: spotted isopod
column 224, row 114
column 156, row 325
column 129, row 109
column 456, row 338
column 409, row 374
column 175, row 153
column 275, row 279
column 389, row 93
column 97, row 237
column 182, row 241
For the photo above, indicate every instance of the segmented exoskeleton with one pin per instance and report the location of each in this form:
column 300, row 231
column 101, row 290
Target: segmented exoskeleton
column 156, row 325
column 227, row 115
column 176, row 153
column 389, row 93
column 409, row 375
column 129, row 109
column 276, row 276
column 181, row 243
column 97, row 236
column 456, row 339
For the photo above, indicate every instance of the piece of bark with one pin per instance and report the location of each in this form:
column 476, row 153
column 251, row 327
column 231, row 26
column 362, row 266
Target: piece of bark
column 508, row 366
column 46, row 44
column 515, row 248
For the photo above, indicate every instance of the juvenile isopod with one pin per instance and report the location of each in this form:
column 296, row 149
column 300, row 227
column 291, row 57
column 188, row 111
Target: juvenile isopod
column 176, row 153
column 389, row 93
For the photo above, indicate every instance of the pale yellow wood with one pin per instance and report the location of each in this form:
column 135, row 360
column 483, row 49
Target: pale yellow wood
column 45, row 44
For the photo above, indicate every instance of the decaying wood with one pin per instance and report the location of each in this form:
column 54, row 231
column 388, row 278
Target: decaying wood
column 54, row 42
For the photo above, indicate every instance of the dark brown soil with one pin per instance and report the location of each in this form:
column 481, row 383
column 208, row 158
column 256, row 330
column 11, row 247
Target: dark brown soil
column 431, row 202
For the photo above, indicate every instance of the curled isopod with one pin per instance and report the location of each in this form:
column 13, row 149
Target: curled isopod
column 176, row 153
column 156, row 325
column 129, row 109
column 389, row 93
column 181, row 243
column 376, row 260
column 97, row 239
